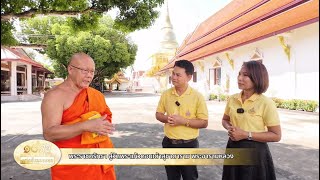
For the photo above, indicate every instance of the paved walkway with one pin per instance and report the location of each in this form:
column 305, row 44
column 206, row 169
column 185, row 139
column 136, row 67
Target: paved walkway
column 296, row 156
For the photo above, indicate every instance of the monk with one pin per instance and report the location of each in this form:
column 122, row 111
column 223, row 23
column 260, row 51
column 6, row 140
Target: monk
column 66, row 120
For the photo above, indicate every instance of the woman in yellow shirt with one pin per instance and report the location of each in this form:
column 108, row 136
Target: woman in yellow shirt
column 252, row 120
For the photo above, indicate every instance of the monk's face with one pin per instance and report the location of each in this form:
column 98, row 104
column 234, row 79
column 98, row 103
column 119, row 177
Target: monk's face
column 81, row 71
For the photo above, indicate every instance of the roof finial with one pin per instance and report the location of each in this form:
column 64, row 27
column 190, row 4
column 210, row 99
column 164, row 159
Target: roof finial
column 167, row 1
column 167, row 16
column 169, row 39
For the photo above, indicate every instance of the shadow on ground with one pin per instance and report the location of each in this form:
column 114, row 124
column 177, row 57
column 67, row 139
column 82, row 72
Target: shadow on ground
column 291, row 161
column 21, row 101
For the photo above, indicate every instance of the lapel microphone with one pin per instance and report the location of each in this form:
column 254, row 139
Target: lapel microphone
column 240, row 110
column 177, row 103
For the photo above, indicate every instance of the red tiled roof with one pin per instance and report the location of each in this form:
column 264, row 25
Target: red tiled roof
column 242, row 22
column 223, row 17
column 21, row 55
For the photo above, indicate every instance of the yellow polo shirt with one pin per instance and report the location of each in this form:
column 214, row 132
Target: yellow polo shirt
column 259, row 112
column 192, row 106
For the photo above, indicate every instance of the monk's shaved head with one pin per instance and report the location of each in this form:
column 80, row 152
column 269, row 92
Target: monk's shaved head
column 81, row 70
column 79, row 58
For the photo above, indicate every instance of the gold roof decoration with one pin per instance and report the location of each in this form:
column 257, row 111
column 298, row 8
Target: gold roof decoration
column 118, row 77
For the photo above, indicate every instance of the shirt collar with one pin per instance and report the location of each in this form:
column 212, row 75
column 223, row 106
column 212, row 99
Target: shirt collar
column 252, row 98
column 188, row 91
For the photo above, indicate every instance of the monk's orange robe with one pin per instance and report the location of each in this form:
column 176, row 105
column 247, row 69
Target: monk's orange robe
column 86, row 101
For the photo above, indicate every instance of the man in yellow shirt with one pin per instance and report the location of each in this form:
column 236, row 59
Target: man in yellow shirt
column 183, row 111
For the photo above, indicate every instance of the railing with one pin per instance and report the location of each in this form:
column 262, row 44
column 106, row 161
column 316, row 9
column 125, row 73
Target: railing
column 6, row 93
column 21, row 90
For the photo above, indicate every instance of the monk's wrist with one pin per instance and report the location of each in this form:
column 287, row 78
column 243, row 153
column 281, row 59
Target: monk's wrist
column 83, row 126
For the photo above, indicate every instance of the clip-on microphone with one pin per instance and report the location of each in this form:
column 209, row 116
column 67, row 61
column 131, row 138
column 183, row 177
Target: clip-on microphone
column 240, row 110
column 177, row 103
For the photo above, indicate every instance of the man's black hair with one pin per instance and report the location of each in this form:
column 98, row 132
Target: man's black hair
column 185, row 64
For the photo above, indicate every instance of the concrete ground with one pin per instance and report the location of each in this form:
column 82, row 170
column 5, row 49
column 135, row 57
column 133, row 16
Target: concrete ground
column 296, row 156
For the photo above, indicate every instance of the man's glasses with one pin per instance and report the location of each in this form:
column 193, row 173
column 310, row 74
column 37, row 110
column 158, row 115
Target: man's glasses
column 84, row 71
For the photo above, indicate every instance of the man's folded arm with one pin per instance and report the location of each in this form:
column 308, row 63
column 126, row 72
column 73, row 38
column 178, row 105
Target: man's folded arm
column 161, row 117
column 198, row 123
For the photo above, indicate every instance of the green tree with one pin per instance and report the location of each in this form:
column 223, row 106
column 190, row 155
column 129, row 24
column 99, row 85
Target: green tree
column 109, row 47
column 132, row 14
column 6, row 34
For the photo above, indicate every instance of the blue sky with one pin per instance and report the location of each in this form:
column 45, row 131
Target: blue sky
column 185, row 15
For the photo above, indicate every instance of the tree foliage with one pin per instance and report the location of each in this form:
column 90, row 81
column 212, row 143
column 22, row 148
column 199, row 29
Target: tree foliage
column 109, row 47
column 132, row 14
column 6, row 34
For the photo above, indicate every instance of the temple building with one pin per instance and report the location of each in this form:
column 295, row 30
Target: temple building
column 283, row 35
column 167, row 50
column 20, row 74
column 118, row 82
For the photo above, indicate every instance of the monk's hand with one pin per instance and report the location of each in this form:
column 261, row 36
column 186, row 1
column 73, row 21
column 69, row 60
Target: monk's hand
column 101, row 126
column 176, row 120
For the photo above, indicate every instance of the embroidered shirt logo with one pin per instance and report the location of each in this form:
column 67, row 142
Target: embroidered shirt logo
column 251, row 111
